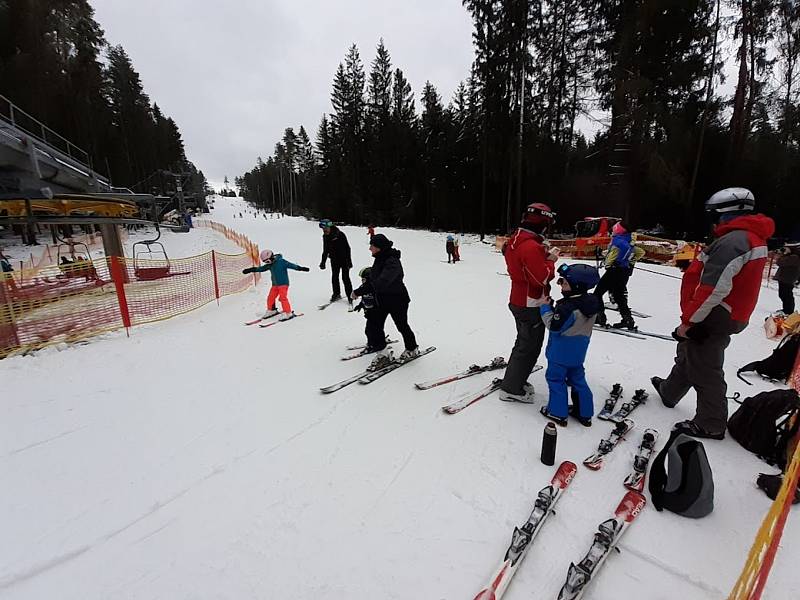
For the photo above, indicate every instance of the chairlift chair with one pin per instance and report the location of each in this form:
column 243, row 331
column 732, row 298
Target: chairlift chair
column 150, row 250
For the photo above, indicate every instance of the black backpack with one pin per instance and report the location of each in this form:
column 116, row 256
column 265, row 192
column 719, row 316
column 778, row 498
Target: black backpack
column 778, row 365
column 686, row 485
column 766, row 423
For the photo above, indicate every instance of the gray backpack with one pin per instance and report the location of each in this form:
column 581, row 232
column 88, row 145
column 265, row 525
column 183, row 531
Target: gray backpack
column 685, row 486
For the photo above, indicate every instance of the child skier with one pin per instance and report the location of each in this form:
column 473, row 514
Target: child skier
column 570, row 323
column 279, row 270
column 367, row 300
column 450, row 248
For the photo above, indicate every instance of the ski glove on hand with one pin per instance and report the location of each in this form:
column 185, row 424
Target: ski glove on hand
column 698, row 332
column 247, row 270
column 306, row 269
column 322, row 266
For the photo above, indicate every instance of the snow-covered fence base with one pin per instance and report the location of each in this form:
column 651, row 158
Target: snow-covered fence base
column 74, row 301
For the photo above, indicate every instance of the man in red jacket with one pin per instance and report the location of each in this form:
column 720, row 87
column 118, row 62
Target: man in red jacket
column 531, row 266
column 718, row 294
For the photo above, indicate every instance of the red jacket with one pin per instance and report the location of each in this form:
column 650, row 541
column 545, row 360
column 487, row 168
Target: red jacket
column 529, row 268
column 729, row 271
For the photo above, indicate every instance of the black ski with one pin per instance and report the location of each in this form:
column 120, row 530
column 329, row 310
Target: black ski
column 611, row 402
column 395, row 364
column 639, row 397
column 606, row 445
column 635, row 480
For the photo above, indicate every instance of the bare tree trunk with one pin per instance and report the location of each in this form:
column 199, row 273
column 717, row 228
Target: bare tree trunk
column 738, row 131
column 706, row 113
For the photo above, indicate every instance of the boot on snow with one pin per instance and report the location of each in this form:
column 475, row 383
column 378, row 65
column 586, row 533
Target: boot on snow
column 382, row 359
column 626, row 323
column 271, row 312
column 526, row 397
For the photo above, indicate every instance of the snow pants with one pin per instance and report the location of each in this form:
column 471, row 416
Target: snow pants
column 279, row 292
column 786, row 294
column 558, row 378
column 376, row 320
column 527, row 347
column 345, row 274
column 615, row 282
column 698, row 365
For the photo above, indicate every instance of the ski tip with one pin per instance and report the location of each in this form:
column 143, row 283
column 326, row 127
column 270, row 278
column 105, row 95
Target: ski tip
column 486, row 595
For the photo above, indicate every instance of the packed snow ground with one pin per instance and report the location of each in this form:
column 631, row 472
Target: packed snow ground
column 197, row 459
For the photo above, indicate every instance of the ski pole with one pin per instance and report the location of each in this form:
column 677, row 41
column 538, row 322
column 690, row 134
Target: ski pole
column 657, row 272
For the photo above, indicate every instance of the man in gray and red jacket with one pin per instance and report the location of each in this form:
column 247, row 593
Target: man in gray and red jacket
column 718, row 294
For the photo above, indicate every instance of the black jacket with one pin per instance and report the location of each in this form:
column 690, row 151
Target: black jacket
column 334, row 244
column 788, row 269
column 386, row 280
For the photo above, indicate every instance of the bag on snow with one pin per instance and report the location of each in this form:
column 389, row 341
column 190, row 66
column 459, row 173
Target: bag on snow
column 779, row 364
column 686, row 485
column 766, row 423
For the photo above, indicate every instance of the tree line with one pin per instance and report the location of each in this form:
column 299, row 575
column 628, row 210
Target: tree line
column 56, row 65
column 649, row 71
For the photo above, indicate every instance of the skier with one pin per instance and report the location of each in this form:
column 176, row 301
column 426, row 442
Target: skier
column 278, row 268
column 718, row 294
column 531, row 267
column 385, row 281
column 457, row 247
column 367, row 300
column 570, row 323
column 334, row 244
column 620, row 259
column 450, row 248
column 787, row 276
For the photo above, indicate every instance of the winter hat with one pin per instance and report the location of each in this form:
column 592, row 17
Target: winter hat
column 325, row 223
column 581, row 278
column 618, row 228
column 450, row 238
column 266, row 255
column 380, row 241
column 364, row 273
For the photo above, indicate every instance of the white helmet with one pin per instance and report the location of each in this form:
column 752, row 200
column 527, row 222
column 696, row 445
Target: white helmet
column 266, row 256
column 731, row 200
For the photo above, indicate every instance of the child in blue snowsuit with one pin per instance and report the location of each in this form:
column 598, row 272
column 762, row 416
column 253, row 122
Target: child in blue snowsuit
column 570, row 323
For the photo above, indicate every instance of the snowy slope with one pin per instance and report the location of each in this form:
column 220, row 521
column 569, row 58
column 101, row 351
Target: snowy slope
column 197, row 459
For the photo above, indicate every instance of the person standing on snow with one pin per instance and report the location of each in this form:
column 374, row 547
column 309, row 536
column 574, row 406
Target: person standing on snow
column 385, row 282
column 457, row 247
column 719, row 292
column 531, row 267
column 279, row 270
column 787, row 276
column 335, row 246
column 450, row 248
column 619, row 262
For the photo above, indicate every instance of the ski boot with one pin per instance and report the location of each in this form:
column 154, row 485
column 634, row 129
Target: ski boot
column 382, row 359
column 287, row 316
column 335, row 297
column 626, row 323
column 406, row 354
column 573, row 412
column 526, row 397
column 497, row 362
column 271, row 312
column 560, row 421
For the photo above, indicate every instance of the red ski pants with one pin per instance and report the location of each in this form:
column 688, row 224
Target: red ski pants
column 279, row 292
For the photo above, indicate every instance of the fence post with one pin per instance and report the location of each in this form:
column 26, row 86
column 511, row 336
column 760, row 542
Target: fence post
column 119, row 278
column 214, row 269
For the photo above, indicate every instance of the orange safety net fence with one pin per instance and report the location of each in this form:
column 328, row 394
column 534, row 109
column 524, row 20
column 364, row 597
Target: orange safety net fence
column 69, row 302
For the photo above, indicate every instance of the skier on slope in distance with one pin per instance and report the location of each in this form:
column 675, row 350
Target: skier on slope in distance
column 719, row 292
column 278, row 268
column 385, row 281
column 531, row 267
column 620, row 260
column 450, row 248
column 335, row 246
column 570, row 323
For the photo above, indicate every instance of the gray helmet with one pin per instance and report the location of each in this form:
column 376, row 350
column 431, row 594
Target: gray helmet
column 731, row 200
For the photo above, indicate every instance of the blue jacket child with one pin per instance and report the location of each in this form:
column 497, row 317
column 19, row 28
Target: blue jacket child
column 570, row 324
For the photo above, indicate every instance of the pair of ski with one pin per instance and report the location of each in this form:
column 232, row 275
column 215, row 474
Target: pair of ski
column 368, row 376
column 363, row 350
column 579, row 576
column 636, row 333
column 264, row 322
column 608, row 414
column 635, row 479
column 472, row 397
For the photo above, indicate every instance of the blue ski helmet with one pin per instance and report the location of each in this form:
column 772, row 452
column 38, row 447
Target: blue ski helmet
column 325, row 223
column 579, row 276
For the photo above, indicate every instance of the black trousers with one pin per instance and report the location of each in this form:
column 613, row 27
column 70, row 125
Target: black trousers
column 376, row 320
column 786, row 294
column 615, row 282
column 345, row 271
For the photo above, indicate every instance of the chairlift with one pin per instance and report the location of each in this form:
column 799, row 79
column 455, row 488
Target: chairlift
column 151, row 250
column 77, row 265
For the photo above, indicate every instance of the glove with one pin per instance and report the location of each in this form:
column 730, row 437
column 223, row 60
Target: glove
column 353, row 295
column 247, row 270
column 698, row 333
column 306, row 269
column 322, row 266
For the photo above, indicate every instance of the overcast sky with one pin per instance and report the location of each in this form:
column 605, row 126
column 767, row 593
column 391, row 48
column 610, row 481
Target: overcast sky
column 234, row 74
